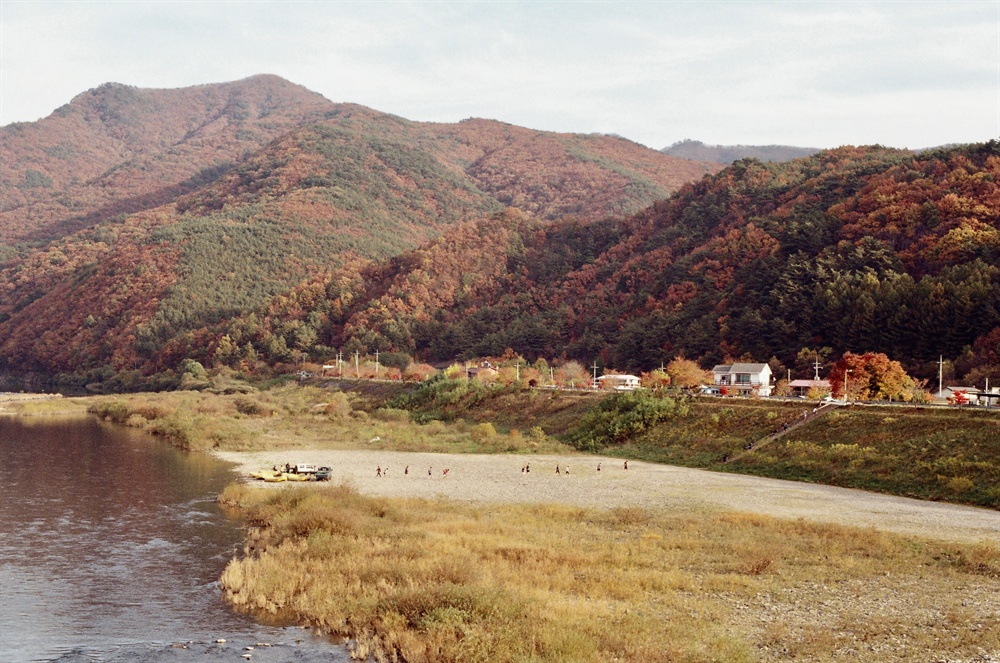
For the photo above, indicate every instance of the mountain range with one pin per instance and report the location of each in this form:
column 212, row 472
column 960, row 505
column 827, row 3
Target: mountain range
column 160, row 211
column 255, row 222
column 727, row 154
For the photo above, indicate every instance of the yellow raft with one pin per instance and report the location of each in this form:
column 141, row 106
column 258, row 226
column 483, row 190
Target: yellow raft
column 272, row 476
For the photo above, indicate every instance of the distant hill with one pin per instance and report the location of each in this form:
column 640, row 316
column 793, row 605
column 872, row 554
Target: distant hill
column 726, row 154
column 161, row 213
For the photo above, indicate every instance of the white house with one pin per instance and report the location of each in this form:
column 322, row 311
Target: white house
column 617, row 382
column 743, row 379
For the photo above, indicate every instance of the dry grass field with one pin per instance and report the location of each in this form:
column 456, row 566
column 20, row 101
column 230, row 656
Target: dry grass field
column 441, row 580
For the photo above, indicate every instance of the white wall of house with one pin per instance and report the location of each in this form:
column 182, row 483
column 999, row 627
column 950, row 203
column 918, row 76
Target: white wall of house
column 744, row 378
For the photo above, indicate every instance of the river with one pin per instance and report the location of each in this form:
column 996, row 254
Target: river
column 111, row 545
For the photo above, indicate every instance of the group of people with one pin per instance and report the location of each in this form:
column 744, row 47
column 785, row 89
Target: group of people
column 379, row 472
column 564, row 469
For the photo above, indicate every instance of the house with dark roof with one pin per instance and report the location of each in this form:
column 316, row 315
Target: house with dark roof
column 743, row 379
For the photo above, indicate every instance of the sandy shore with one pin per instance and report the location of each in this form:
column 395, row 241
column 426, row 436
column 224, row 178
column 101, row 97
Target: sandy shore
column 499, row 479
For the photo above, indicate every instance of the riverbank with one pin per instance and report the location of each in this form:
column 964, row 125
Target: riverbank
column 438, row 579
column 649, row 564
column 499, row 479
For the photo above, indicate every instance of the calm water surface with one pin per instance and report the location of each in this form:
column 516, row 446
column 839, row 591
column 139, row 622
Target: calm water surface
column 111, row 546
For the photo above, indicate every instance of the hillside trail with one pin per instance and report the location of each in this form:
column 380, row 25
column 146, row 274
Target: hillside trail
column 807, row 417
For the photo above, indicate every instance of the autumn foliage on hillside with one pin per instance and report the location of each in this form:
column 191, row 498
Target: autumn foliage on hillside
column 856, row 249
column 118, row 149
column 165, row 214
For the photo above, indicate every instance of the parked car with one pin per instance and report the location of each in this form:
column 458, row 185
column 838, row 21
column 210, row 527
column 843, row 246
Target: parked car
column 323, row 474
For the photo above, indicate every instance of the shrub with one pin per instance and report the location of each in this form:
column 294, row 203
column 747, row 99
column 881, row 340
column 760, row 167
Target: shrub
column 483, row 432
column 252, row 407
column 622, row 416
column 958, row 485
column 339, row 406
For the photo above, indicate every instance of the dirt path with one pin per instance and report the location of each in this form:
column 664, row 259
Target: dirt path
column 499, row 478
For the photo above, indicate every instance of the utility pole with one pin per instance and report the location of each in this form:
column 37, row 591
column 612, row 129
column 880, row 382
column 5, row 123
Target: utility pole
column 340, row 364
column 357, row 368
column 816, row 366
column 594, row 383
column 940, row 376
column 847, row 371
column 376, row 364
column 517, row 370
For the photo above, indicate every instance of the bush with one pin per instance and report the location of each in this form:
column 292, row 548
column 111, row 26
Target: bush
column 339, row 406
column 622, row 416
column 252, row 408
column 483, row 432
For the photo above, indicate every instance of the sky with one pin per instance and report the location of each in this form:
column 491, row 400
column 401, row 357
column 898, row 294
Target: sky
column 906, row 73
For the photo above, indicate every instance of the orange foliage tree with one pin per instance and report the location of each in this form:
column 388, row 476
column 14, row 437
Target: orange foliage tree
column 871, row 376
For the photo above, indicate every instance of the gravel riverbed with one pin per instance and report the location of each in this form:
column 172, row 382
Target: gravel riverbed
column 500, row 479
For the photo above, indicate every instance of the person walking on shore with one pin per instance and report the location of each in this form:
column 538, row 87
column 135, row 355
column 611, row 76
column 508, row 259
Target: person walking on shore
column 378, row 471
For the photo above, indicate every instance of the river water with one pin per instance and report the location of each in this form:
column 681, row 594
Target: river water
column 111, row 545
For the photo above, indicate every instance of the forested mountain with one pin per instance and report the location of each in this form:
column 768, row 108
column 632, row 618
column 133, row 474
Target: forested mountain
column 859, row 249
column 119, row 149
column 727, row 154
column 135, row 223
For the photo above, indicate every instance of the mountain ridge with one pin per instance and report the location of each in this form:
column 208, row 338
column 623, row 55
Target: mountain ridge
column 209, row 222
column 727, row 154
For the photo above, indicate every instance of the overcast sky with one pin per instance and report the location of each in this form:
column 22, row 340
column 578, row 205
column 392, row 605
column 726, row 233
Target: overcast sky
column 816, row 74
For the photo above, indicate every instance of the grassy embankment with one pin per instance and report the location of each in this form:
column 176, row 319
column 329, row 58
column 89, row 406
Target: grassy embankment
column 40, row 405
column 419, row 580
column 296, row 417
column 928, row 453
column 935, row 454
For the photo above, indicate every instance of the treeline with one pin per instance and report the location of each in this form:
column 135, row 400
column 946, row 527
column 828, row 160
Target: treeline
column 856, row 249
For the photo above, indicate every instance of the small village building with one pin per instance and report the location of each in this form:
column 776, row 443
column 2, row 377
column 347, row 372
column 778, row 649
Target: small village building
column 743, row 379
column 968, row 396
column 484, row 372
column 804, row 387
column 617, row 382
